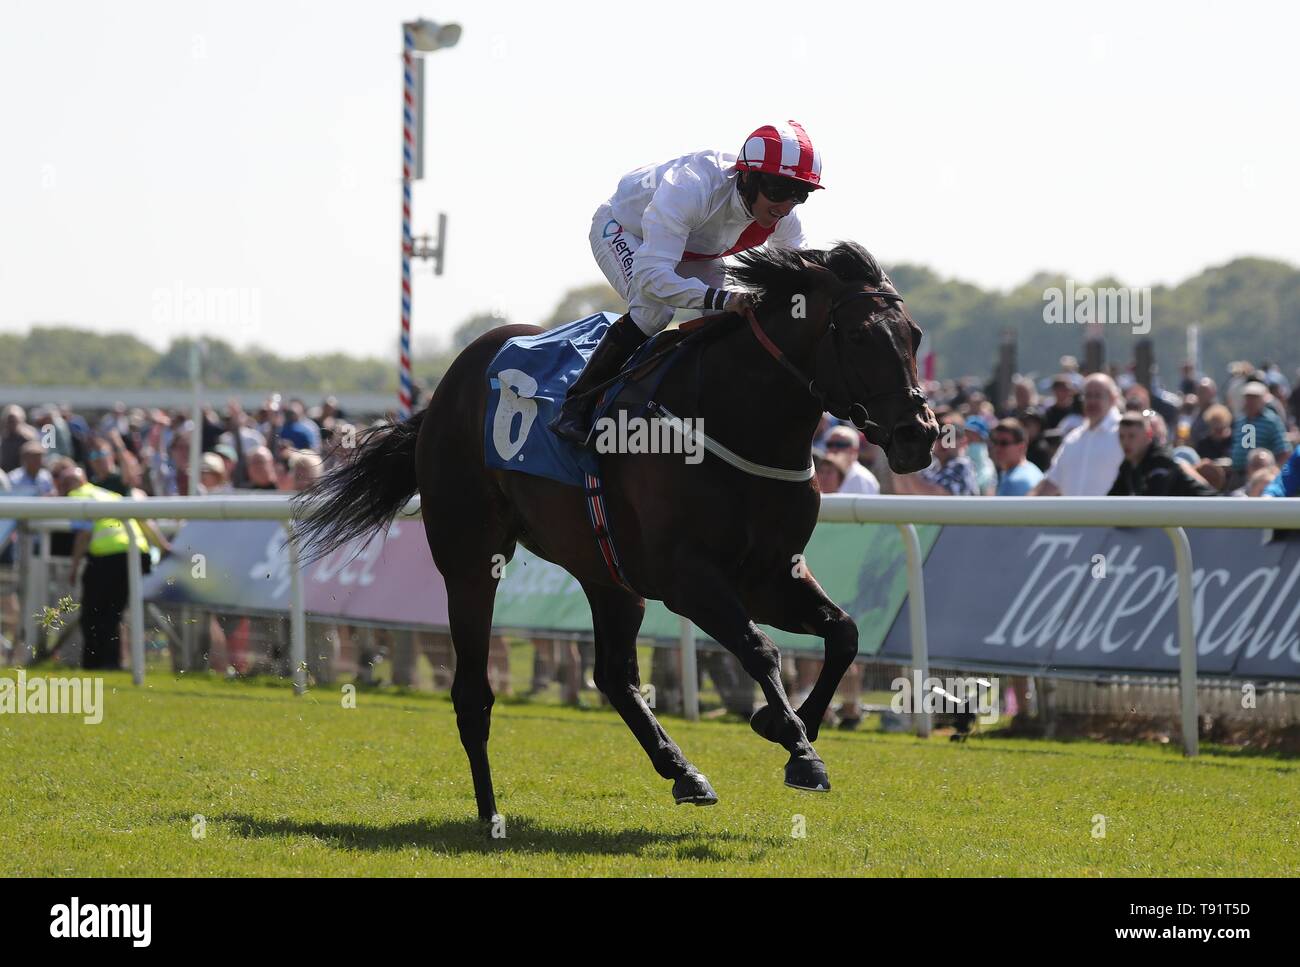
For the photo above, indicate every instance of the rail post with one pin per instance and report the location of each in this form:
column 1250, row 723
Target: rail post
column 297, row 616
column 135, row 600
column 916, row 618
column 690, row 672
column 1186, row 641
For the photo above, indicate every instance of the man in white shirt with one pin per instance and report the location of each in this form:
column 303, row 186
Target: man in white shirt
column 842, row 447
column 661, row 237
column 30, row 478
column 1090, row 454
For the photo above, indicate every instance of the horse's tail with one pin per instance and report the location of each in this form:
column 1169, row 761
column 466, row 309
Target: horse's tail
column 359, row 496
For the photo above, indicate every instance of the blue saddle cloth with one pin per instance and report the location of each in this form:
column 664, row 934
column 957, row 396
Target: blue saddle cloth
column 527, row 381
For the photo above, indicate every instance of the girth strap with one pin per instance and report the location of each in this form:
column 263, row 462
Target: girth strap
column 727, row 456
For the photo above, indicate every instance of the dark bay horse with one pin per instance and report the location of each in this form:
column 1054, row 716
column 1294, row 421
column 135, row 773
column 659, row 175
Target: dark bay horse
column 717, row 544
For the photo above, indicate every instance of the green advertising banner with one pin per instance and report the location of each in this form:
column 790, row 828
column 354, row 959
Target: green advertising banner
column 862, row 567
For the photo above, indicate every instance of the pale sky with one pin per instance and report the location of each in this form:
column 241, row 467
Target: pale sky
column 254, row 147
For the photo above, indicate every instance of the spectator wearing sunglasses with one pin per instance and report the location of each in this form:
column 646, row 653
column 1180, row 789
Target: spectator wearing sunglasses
column 102, row 463
column 662, row 236
column 843, row 446
column 1016, row 475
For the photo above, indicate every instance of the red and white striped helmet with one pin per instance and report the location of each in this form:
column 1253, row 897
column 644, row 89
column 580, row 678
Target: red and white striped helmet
column 782, row 149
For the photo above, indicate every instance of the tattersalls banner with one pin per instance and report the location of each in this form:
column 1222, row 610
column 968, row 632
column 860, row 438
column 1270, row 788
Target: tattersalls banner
column 1105, row 599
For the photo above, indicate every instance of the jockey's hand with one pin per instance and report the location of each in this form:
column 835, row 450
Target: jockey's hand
column 740, row 301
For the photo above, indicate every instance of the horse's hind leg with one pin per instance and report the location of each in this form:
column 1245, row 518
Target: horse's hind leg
column 469, row 608
column 471, row 538
column 616, row 615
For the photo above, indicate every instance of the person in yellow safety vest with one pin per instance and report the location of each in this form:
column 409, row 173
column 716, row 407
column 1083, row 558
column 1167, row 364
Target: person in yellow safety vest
column 104, row 544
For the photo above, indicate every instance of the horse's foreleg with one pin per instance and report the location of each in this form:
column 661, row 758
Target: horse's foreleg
column 703, row 595
column 798, row 604
column 616, row 616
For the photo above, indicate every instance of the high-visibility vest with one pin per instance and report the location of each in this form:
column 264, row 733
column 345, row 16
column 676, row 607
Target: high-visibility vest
column 109, row 535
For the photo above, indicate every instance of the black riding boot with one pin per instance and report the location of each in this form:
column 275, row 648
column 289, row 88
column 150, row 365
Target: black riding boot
column 615, row 348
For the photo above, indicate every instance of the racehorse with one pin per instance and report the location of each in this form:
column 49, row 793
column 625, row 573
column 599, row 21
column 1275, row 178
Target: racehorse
column 718, row 541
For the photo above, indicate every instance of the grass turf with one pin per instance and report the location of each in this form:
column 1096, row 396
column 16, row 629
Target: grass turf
column 302, row 786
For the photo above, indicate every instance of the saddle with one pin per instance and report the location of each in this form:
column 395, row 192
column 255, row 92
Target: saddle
column 527, row 382
column 530, row 375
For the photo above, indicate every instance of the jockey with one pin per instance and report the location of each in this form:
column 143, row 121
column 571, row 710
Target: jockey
column 661, row 239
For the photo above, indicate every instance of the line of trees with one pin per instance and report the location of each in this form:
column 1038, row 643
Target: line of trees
column 1246, row 309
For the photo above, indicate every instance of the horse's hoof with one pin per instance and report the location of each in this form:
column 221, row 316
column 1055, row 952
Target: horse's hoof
column 809, row 775
column 694, row 789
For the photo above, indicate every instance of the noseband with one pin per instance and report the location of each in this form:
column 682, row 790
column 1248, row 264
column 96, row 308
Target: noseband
column 914, row 397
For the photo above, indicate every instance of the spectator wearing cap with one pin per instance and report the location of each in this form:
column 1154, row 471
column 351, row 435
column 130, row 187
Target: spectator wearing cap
column 829, row 475
column 229, row 458
column 951, row 474
column 1090, row 454
column 213, row 477
column 1207, row 395
column 843, row 446
column 1016, row 475
column 30, row 478
column 1148, row 468
column 1257, row 428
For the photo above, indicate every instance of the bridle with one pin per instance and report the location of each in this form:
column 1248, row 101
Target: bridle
column 915, row 398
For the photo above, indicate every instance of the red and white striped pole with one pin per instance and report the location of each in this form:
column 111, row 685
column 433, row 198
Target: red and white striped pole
column 408, row 160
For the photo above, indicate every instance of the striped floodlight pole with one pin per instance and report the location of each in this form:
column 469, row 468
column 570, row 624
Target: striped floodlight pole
column 408, row 157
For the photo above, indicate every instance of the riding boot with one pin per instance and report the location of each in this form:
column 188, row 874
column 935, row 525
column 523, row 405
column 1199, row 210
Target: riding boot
column 616, row 347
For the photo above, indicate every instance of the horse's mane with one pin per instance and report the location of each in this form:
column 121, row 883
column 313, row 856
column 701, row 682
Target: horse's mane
column 779, row 270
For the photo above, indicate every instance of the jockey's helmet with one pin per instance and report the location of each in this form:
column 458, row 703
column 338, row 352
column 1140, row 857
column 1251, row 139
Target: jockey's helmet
column 784, row 151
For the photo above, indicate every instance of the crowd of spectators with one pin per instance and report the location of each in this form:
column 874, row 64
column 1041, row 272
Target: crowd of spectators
column 147, row 452
column 1103, row 434
column 53, row 451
